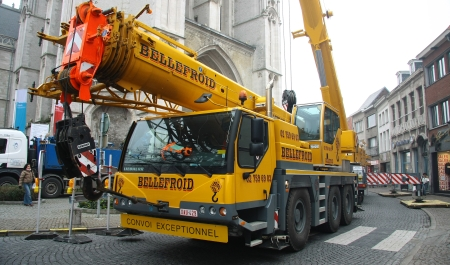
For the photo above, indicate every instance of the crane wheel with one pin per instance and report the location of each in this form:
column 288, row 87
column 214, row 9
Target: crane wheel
column 89, row 191
column 298, row 218
column 347, row 205
column 333, row 211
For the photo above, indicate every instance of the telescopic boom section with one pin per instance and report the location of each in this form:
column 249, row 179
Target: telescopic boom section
column 126, row 57
column 315, row 29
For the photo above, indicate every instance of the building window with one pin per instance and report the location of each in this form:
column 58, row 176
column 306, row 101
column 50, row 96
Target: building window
column 388, row 141
column 441, row 68
column 434, row 116
column 405, row 106
column 372, row 142
column 413, row 105
column 406, row 162
column 393, row 114
column 444, row 114
column 371, row 121
column 420, row 93
column 381, row 143
column 399, row 112
column 448, row 61
column 358, row 127
column 431, row 76
column 380, row 121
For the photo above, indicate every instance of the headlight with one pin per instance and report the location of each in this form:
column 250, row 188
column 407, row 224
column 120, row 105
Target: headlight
column 212, row 211
column 223, row 211
column 202, row 209
column 122, row 202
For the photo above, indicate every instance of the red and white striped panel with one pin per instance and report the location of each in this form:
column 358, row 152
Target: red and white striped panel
column 398, row 177
column 380, row 178
column 372, row 180
column 391, row 178
column 87, row 163
column 384, row 178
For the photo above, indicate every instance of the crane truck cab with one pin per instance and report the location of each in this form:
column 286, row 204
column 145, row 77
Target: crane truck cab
column 13, row 155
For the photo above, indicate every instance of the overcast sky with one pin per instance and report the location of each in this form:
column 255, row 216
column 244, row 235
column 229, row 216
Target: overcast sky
column 372, row 40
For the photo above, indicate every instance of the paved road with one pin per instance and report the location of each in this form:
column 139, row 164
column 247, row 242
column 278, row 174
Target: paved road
column 385, row 224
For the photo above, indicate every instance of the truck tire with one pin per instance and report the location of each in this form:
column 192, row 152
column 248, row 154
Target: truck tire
column 347, row 205
column 51, row 187
column 360, row 197
column 8, row 181
column 298, row 218
column 333, row 211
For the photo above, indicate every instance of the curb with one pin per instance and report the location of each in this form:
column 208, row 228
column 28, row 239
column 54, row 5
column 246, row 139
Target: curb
column 81, row 230
column 19, row 202
column 94, row 211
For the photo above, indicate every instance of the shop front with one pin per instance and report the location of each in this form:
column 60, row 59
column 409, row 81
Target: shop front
column 440, row 161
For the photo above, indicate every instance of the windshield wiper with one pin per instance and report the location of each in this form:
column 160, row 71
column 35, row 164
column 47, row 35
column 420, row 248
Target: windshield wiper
column 204, row 169
column 182, row 173
column 201, row 167
column 158, row 172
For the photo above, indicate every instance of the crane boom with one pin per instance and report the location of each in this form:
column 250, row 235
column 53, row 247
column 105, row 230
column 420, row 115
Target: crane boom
column 127, row 57
column 316, row 30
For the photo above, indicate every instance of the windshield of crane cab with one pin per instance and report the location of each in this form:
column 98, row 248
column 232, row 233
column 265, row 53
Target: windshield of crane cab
column 181, row 145
column 307, row 119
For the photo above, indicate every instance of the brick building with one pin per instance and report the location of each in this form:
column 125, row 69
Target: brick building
column 436, row 61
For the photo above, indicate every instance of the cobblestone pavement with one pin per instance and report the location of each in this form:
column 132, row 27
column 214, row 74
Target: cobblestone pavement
column 430, row 244
column 54, row 214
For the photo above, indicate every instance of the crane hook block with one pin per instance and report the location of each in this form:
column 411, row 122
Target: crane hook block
column 75, row 147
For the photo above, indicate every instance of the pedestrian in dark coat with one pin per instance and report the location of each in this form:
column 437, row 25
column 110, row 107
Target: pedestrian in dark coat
column 26, row 181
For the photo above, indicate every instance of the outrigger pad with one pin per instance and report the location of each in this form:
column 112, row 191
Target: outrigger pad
column 75, row 147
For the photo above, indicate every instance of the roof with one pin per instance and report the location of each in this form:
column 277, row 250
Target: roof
column 436, row 43
column 372, row 99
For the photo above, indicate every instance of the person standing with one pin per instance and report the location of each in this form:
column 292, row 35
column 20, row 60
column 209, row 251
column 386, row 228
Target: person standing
column 425, row 182
column 26, row 180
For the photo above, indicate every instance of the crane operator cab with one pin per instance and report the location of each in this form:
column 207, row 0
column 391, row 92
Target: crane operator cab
column 318, row 124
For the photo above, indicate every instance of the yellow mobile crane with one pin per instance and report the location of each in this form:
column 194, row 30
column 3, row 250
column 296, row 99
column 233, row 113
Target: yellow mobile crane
column 350, row 149
column 235, row 166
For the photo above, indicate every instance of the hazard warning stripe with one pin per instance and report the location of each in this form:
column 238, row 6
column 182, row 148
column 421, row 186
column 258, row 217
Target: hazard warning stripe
column 88, row 164
column 372, row 180
column 391, row 178
column 384, row 179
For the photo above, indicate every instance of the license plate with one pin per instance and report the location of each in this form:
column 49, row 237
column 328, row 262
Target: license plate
column 188, row 212
column 216, row 233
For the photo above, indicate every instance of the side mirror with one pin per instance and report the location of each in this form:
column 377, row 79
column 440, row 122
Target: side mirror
column 257, row 130
column 256, row 149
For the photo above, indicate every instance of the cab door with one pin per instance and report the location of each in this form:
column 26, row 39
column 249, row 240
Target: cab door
column 255, row 185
